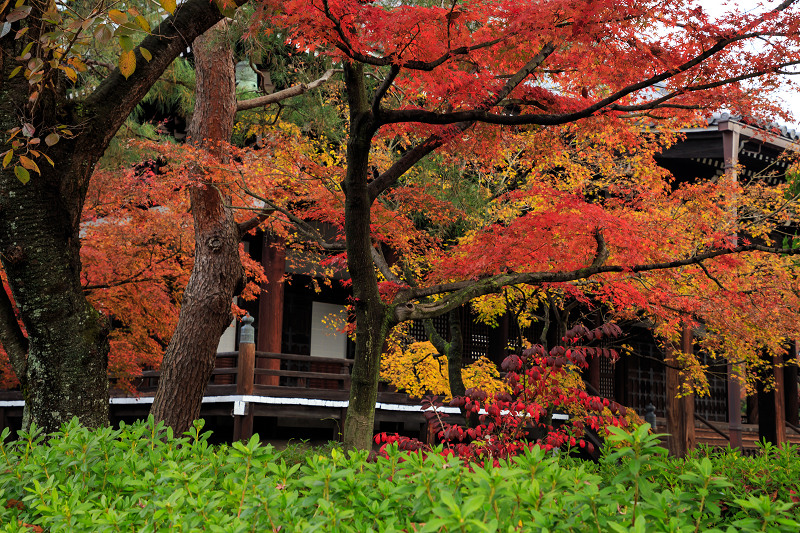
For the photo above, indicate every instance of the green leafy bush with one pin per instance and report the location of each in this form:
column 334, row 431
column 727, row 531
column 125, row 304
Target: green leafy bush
column 141, row 478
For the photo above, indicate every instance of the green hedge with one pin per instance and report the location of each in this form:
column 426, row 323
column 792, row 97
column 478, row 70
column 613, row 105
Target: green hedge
column 140, row 479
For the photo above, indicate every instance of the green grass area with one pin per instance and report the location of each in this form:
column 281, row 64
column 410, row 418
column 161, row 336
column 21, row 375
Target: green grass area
column 140, row 478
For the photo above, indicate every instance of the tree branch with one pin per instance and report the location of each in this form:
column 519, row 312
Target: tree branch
column 464, row 291
column 302, row 226
column 661, row 102
column 253, row 222
column 410, row 158
column 383, row 266
column 480, row 115
column 433, row 336
column 381, row 92
column 601, row 255
column 281, row 95
column 116, row 96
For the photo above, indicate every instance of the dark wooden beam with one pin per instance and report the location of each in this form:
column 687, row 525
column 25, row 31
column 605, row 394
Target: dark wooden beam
column 734, row 408
column 270, row 306
column 778, row 398
column 790, row 386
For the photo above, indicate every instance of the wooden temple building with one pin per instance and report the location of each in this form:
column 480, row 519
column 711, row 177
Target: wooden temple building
column 287, row 375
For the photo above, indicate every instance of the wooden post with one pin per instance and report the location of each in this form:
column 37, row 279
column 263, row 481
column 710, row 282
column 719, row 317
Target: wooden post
column 779, row 406
column 680, row 410
column 790, row 386
column 243, row 423
column 734, row 408
column 771, row 415
column 270, row 307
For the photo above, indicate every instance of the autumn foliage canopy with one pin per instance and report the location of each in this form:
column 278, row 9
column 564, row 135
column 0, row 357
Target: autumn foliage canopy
column 587, row 92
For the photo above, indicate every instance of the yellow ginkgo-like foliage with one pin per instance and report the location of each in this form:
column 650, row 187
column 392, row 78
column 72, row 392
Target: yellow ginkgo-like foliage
column 419, row 369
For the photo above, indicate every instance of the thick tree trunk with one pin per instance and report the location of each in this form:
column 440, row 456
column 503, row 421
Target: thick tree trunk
column 372, row 316
column 62, row 364
column 65, row 371
column 217, row 273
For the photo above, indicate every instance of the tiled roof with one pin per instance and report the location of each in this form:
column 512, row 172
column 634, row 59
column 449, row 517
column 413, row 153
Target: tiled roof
column 772, row 127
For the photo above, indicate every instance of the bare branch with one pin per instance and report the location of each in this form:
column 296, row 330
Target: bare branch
column 279, row 96
column 302, row 226
column 709, row 276
column 601, row 255
column 661, row 102
column 383, row 266
column 381, row 92
column 480, row 115
column 254, row 222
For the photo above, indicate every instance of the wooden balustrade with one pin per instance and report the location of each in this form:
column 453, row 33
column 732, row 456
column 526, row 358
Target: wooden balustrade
column 294, row 372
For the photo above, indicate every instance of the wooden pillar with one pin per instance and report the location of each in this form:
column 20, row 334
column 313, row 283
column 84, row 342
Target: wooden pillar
column 680, row 410
column 779, row 404
column 734, row 408
column 771, row 413
column 243, row 411
column 790, row 398
column 270, row 307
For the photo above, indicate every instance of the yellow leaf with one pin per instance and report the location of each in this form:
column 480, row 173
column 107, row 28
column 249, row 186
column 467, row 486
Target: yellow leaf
column 77, row 64
column 29, row 164
column 127, row 63
column 168, row 5
column 145, row 54
column 117, row 16
column 143, row 23
column 22, row 175
column 7, row 158
column 71, row 74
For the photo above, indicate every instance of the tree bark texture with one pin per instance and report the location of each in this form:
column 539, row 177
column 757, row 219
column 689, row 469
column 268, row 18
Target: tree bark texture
column 372, row 316
column 62, row 364
column 64, row 372
column 217, row 273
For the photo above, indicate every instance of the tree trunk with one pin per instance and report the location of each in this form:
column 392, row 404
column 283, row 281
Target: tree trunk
column 217, row 274
column 65, row 373
column 453, row 351
column 372, row 316
column 62, row 364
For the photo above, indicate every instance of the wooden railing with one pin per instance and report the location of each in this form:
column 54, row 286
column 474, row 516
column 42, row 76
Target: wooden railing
column 270, row 370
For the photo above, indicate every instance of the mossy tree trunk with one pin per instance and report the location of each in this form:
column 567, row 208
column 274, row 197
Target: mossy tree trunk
column 372, row 315
column 61, row 355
